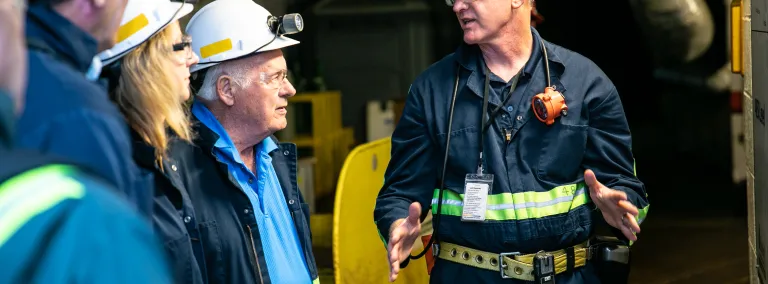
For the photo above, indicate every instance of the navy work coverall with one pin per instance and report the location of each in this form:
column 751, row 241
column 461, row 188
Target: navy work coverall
column 538, row 200
column 61, row 224
column 68, row 116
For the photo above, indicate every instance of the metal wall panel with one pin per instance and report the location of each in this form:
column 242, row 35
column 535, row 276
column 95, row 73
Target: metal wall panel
column 760, row 138
column 760, row 15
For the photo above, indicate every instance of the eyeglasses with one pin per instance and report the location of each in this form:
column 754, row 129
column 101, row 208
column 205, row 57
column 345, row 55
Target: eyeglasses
column 186, row 46
column 274, row 80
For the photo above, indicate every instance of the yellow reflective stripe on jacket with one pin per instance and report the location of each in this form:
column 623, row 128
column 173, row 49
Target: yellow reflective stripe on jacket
column 634, row 167
column 316, row 281
column 31, row 193
column 642, row 212
column 521, row 205
column 380, row 235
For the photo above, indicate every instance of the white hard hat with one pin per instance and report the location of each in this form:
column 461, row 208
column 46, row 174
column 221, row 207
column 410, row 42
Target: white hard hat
column 141, row 20
column 228, row 29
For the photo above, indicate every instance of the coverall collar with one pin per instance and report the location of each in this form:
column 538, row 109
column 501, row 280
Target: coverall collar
column 471, row 59
column 207, row 137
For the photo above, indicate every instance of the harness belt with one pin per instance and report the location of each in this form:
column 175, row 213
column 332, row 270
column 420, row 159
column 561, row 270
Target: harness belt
column 514, row 264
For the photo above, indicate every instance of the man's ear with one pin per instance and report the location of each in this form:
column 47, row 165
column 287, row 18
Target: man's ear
column 518, row 3
column 224, row 90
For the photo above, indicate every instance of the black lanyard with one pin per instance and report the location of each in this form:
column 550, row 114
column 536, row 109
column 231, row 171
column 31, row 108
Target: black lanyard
column 483, row 124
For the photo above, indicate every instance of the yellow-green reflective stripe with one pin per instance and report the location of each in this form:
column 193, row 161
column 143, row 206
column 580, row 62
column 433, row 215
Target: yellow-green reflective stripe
column 521, row 205
column 642, row 213
column 316, row 281
column 380, row 235
column 31, row 193
column 640, row 218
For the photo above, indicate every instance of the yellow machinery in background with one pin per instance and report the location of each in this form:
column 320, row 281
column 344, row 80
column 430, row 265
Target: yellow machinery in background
column 359, row 255
column 328, row 140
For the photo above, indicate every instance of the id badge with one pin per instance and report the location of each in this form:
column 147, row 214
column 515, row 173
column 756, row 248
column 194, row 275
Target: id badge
column 476, row 189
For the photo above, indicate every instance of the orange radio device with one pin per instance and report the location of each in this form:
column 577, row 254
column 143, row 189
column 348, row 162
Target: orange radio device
column 550, row 104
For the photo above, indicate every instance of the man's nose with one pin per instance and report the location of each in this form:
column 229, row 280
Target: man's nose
column 287, row 90
column 459, row 5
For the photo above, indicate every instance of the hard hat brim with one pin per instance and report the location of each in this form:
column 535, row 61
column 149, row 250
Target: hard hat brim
column 186, row 8
column 278, row 43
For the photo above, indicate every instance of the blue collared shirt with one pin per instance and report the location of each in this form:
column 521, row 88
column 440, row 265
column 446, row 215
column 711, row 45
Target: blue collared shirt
column 282, row 249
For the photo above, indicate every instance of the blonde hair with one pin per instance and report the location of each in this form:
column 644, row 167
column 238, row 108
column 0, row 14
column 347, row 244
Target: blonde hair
column 149, row 95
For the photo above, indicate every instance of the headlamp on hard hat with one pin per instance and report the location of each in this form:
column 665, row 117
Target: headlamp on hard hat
column 283, row 25
column 286, row 25
column 226, row 30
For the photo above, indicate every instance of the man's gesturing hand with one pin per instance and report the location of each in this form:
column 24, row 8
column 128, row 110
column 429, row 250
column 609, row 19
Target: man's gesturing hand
column 616, row 209
column 402, row 235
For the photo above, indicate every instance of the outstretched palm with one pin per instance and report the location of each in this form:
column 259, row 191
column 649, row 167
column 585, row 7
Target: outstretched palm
column 617, row 210
column 402, row 236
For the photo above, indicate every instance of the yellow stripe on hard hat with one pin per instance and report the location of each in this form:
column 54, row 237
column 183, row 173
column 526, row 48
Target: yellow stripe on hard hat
column 131, row 27
column 215, row 48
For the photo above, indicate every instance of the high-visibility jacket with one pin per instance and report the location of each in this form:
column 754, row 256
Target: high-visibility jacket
column 60, row 225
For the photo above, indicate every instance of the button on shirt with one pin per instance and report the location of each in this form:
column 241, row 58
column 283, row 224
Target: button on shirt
column 282, row 249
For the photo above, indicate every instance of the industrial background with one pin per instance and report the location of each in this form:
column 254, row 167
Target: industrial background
column 683, row 69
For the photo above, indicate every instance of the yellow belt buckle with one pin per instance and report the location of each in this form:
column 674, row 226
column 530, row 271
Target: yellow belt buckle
column 503, row 265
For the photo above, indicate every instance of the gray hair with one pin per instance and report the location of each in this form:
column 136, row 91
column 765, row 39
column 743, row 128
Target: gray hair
column 237, row 70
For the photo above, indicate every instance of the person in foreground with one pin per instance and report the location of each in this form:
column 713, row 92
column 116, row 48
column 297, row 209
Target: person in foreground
column 241, row 180
column 148, row 71
column 60, row 223
column 69, row 113
column 541, row 144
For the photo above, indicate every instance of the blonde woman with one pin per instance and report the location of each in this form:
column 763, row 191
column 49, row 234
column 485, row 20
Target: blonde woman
column 148, row 72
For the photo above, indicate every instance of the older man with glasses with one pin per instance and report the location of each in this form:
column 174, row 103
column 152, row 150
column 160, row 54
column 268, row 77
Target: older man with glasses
column 242, row 182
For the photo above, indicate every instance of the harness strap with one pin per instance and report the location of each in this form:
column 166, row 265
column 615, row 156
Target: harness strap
column 513, row 265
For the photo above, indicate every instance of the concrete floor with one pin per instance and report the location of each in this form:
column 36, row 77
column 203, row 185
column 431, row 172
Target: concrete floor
column 674, row 249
